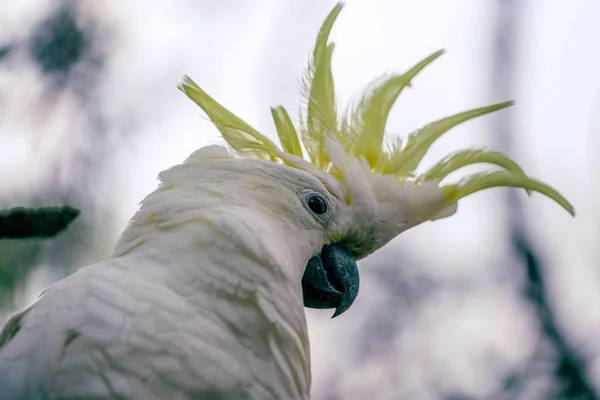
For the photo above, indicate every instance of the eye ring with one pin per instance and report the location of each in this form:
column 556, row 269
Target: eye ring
column 317, row 203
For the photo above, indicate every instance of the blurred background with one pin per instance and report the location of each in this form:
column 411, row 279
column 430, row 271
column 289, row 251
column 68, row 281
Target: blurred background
column 500, row 301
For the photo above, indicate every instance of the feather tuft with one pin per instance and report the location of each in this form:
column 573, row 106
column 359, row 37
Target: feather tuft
column 238, row 134
column 361, row 133
column 286, row 131
column 320, row 116
column 364, row 127
column 419, row 142
column 486, row 180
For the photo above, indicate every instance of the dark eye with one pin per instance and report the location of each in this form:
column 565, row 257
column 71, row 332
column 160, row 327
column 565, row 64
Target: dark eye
column 317, row 204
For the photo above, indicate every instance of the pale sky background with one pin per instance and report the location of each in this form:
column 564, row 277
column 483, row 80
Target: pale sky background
column 249, row 55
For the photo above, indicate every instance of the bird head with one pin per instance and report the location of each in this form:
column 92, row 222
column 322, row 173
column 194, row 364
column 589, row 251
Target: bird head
column 349, row 186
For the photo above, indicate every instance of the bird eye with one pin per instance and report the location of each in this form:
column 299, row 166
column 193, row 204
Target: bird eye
column 317, row 204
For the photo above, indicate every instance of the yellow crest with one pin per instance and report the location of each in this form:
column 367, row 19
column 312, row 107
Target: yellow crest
column 361, row 131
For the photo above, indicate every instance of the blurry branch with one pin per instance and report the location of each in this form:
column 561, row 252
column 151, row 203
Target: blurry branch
column 22, row 231
column 69, row 47
column 59, row 44
column 44, row 222
column 503, row 87
column 569, row 369
column 5, row 51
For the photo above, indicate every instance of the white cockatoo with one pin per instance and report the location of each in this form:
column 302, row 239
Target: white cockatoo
column 204, row 295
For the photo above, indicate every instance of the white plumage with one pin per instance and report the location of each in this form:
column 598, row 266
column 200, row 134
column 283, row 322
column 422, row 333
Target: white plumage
column 201, row 299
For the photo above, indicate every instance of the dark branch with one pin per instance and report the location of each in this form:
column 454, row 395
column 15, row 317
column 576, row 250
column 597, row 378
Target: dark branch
column 570, row 367
column 44, row 222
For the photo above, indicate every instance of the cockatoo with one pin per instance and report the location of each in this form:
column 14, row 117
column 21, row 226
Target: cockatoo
column 204, row 295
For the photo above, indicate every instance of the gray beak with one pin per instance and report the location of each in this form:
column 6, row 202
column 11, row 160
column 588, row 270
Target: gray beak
column 331, row 280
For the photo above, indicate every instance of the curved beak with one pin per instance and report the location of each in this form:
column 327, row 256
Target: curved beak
column 331, row 280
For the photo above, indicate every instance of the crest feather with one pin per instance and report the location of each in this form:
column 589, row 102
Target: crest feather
column 320, row 116
column 288, row 137
column 361, row 134
column 238, row 134
column 486, row 180
column 418, row 142
column 364, row 127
